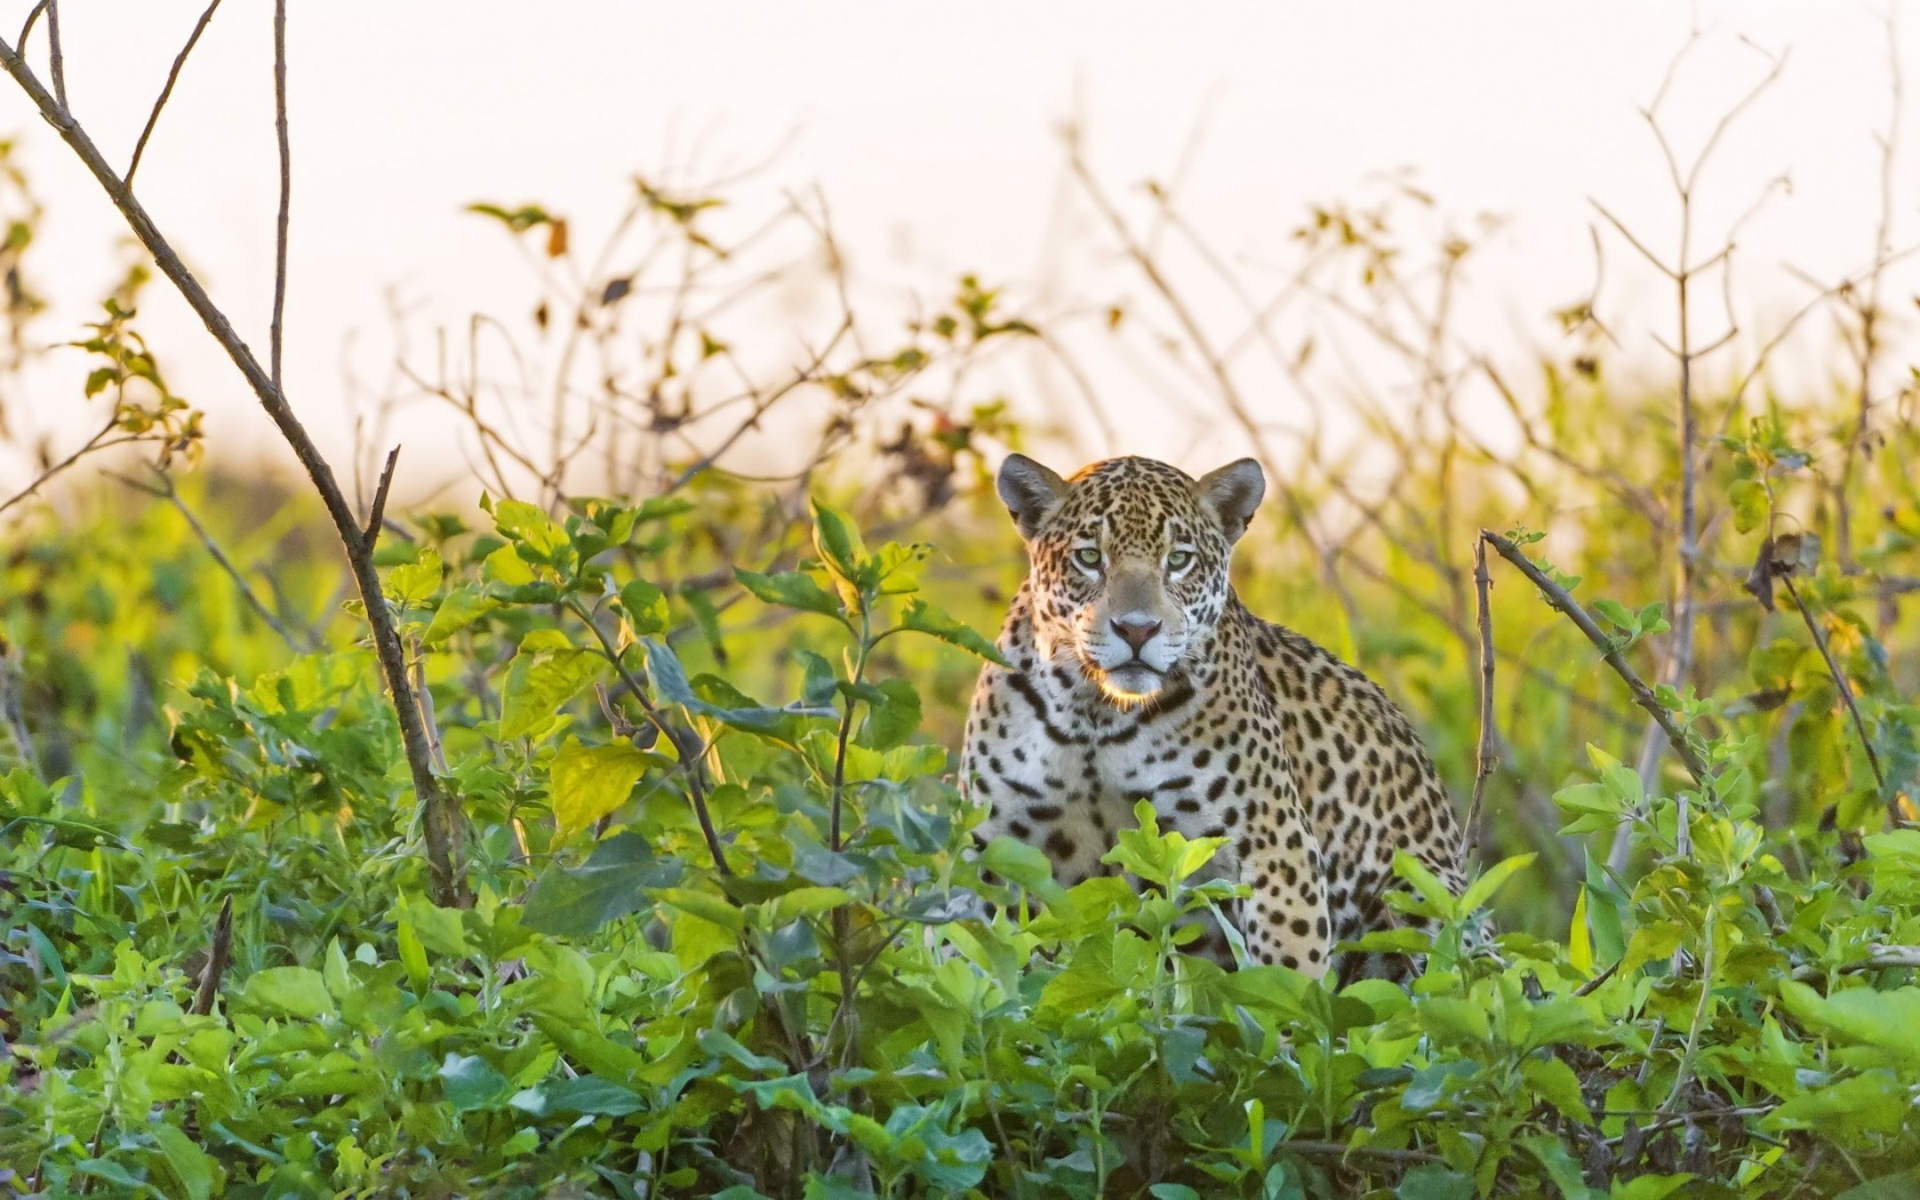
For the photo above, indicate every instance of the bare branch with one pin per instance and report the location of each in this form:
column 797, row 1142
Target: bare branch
column 276, row 332
column 1846, row 695
column 441, row 818
column 1560, row 599
column 219, row 956
column 166, row 91
column 376, row 515
column 56, row 62
column 1485, row 760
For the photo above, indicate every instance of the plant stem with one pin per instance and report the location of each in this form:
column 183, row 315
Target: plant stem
column 684, row 743
column 1846, row 694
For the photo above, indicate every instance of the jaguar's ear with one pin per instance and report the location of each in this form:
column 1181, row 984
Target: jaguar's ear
column 1031, row 492
column 1233, row 492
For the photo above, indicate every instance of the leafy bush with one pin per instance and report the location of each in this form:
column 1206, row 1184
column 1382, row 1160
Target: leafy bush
column 740, row 946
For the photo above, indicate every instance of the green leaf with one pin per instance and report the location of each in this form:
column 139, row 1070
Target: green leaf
column 517, row 219
column 706, row 906
column 289, row 991
column 471, row 1083
column 1579, row 940
column 586, row 783
column 893, row 720
column 1561, row 1167
column 821, row 683
column 837, row 540
column 528, row 526
column 922, row 617
column 592, row 1095
column 1871, row 1102
column 1649, row 1187
column 645, row 606
column 1885, row 1020
column 791, row 589
column 413, row 956
column 1428, row 885
column 1164, row 858
column 576, row 901
column 546, row 673
column 1748, row 498
column 505, row 567
column 1431, row 1181
column 460, row 608
column 1617, row 614
column 413, row 584
column 1020, row 863
column 1454, row 1019
column 805, row 902
column 718, row 1043
column 669, row 677
column 190, row 1164
column 1903, row 1186
column 439, row 929
column 1554, row 1081
column 1482, row 889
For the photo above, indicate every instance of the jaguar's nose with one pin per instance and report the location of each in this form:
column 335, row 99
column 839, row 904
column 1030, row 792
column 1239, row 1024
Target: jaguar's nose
column 1135, row 633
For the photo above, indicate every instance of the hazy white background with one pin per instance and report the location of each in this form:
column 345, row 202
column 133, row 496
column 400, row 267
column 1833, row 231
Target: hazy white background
column 933, row 132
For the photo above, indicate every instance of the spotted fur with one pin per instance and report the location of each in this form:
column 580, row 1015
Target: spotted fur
column 1136, row 672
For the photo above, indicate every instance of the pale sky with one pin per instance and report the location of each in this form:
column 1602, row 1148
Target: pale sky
column 932, row 131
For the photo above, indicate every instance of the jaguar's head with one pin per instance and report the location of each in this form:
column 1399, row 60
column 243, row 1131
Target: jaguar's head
column 1129, row 562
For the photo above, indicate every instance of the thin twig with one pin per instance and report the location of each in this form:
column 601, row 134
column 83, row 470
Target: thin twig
column 276, row 332
column 26, row 27
column 219, row 955
column 56, row 62
column 378, row 512
column 1485, row 761
column 1560, row 599
column 1592, row 985
column 684, row 743
column 1342, row 1150
column 173, row 76
column 1846, row 694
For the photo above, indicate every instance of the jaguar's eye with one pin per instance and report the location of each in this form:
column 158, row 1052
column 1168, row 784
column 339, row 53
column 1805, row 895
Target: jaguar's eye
column 1088, row 557
column 1179, row 560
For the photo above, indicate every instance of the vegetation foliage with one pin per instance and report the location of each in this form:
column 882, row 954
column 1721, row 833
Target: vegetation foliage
column 721, row 926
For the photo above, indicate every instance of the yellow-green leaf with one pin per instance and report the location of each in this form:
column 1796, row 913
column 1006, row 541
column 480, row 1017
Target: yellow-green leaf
column 586, row 783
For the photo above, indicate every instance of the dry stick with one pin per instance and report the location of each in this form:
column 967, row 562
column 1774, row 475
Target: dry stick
column 276, row 330
column 1846, row 694
column 378, row 512
column 166, row 92
column 1559, row 598
column 219, row 955
column 1487, row 761
column 26, row 27
column 1682, row 273
column 56, row 62
column 438, row 812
